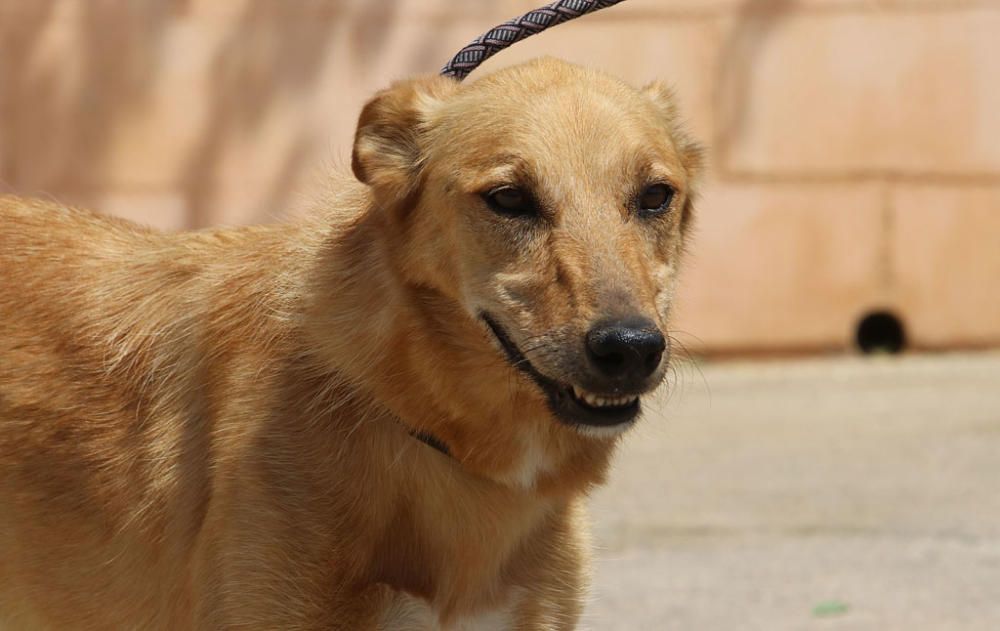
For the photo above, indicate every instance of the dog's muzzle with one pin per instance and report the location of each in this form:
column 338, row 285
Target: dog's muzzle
column 622, row 356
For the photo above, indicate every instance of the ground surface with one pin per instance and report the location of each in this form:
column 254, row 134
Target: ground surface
column 823, row 494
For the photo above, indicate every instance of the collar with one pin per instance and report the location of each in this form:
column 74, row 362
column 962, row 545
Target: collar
column 431, row 441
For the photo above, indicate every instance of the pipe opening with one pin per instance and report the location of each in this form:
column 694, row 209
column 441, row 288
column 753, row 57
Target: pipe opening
column 880, row 332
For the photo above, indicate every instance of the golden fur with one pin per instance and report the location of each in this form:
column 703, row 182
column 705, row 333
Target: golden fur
column 212, row 429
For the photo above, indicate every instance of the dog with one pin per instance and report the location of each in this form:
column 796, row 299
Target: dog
column 385, row 415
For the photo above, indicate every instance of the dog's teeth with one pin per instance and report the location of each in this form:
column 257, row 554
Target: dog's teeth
column 602, row 402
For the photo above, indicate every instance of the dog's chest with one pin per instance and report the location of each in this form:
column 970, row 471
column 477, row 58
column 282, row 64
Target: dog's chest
column 534, row 461
column 409, row 613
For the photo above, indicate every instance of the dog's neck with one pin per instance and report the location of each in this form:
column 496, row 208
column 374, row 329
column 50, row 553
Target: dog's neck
column 412, row 349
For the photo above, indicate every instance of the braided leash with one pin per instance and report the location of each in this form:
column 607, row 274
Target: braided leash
column 511, row 31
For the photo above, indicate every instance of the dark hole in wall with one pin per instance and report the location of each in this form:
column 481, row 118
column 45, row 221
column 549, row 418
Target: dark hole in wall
column 880, row 332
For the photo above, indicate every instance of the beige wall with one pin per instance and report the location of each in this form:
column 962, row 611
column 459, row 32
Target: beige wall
column 855, row 144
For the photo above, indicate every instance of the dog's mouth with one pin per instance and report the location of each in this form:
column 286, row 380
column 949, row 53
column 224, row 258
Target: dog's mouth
column 571, row 404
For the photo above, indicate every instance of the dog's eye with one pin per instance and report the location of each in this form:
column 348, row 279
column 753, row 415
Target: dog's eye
column 655, row 198
column 508, row 200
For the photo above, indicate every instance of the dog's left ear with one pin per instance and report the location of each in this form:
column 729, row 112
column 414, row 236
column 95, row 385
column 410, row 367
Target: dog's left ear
column 691, row 152
column 389, row 142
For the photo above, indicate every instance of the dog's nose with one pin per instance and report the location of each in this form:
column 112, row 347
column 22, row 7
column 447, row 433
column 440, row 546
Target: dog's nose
column 625, row 351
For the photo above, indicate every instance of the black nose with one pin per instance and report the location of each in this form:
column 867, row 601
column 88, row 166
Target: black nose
column 625, row 351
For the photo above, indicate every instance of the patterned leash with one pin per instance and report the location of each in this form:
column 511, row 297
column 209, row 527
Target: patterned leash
column 511, row 31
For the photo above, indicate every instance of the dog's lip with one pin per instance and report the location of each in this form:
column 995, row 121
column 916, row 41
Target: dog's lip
column 568, row 403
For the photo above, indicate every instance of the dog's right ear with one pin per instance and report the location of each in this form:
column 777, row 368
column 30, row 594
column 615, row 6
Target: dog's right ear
column 390, row 139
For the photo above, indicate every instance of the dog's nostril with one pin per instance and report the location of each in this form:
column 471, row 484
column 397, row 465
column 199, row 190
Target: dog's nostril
column 653, row 360
column 626, row 350
column 610, row 360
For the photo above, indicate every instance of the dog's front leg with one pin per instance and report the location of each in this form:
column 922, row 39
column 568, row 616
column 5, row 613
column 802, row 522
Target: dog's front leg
column 554, row 588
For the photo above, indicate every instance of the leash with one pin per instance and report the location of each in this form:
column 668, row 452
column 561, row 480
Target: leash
column 490, row 43
column 514, row 30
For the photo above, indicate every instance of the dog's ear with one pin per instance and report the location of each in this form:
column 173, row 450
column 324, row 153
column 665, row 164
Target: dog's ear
column 389, row 141
column 691, row 152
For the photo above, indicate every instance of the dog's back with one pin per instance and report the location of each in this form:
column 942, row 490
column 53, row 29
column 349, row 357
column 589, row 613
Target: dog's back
column 104, row 331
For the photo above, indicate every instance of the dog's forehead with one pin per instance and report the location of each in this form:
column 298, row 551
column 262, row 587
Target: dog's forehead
column 550, row 116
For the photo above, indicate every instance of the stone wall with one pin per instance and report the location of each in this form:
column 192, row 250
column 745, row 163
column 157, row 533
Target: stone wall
column 855, row 144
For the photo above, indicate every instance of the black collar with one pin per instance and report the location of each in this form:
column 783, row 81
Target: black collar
column 431, row 441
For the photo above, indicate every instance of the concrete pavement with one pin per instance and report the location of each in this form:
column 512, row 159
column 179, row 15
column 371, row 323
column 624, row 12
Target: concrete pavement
column 829, row 494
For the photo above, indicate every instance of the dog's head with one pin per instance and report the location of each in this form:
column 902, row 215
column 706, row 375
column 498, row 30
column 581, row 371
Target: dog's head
column 549, row 204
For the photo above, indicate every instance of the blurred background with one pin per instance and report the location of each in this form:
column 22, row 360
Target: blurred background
column 852, row 204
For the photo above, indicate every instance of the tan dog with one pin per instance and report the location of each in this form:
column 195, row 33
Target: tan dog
column 384, row 417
